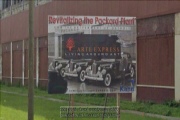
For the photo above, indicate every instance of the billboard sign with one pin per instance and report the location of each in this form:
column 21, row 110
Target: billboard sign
column 89, row 46
column 91, row 54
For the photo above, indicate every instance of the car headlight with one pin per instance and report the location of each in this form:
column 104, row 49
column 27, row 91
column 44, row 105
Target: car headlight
column 99, row 68
column 103, row 72
column 67, row 65
column 129, row 66
column 86, row 64
column 51, row 67
column 78, row 69
column 88, row 68
column 58, row 67
column 111, row 66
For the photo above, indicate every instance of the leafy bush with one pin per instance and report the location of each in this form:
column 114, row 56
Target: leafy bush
column 171, row 103
column 150, row 102
column 168, row 113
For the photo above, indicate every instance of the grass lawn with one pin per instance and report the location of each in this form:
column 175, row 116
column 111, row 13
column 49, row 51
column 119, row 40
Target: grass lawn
column 14, row 107
column 149, row 107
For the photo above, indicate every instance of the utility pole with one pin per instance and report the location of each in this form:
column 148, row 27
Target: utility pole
column 31, row 63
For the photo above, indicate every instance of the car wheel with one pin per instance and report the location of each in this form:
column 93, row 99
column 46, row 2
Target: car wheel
column 107, row 80
column 81, row 76
column 62, row 70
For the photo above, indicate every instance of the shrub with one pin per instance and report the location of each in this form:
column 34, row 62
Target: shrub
column 171, row 103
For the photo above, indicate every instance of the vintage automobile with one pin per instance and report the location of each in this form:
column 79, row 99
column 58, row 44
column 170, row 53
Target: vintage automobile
column 56, row 83
column 108, row 70
column 76, row 68
column 59, row 65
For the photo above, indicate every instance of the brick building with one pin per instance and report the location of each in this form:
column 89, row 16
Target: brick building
column 158, row 40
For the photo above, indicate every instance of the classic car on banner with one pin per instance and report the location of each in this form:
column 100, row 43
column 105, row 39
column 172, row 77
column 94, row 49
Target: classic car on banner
column 105, row 70
column 76, row 68
column 59, row 65
column 56, row 83
column 108, row 70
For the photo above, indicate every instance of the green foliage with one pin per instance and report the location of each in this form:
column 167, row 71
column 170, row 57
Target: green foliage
column 14, row 107
column 150, row 102
column 1, row 82
column 18, row 84
column 42, row 88
column 168, row 108
column 171, row 103
column 167, row 113
column 7, row 83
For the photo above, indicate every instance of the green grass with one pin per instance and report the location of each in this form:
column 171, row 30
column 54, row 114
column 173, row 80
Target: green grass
column 149, row 107
column 8, row 113
column 14, row 107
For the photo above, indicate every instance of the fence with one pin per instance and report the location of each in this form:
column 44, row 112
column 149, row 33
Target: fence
column 15, row 62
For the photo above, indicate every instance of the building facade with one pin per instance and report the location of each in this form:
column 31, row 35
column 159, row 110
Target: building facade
column 158, row 40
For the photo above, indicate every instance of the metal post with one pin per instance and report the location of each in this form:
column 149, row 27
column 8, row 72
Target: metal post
column 37, row 62
column 104, row 106
column 134, row 94
column 23, row 63
column 56, row 46
column 72, row 104
column 118, row 105
column 69, row 106
column 11, row 61
column 31, row 61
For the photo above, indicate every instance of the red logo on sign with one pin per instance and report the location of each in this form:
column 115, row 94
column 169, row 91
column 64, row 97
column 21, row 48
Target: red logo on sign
column 70, row 44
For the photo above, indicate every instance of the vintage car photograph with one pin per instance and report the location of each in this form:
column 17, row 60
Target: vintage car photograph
column 58, row 65
column 76, row 69
column 56, row 82
column 109, row 70
column 105, row 70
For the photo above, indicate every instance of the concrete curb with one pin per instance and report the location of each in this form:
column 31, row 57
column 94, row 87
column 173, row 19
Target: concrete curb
column 150, row 115
column 124, row 111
